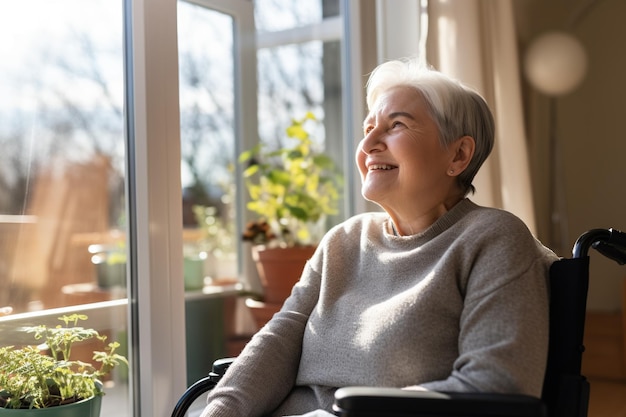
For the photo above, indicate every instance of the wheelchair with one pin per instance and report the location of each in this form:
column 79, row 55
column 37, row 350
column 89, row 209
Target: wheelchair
column 565, row 390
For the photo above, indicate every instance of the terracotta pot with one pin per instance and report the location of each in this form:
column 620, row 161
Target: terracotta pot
column 279, row 269
column 262, row 312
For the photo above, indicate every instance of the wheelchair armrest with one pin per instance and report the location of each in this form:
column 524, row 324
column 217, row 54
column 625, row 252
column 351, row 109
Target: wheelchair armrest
column 220, row 366
column 376, row 401
column 201, row 386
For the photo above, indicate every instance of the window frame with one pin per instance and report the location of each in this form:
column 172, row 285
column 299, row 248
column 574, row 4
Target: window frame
column 156, row 296
column 156, row 302
column 156, row 299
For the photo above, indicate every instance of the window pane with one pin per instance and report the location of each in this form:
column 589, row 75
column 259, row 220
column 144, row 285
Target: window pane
column 275, row 15
column 207, row 119
column 206, row 72
column 62, row 210
column 295, row 78
column 290, row 84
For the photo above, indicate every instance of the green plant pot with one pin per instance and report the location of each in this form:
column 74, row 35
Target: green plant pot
column 111, row 274
column 85, row 408
column 193, row 273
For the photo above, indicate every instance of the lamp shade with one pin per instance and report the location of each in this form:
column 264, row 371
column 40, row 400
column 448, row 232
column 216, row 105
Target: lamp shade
column 555, row 63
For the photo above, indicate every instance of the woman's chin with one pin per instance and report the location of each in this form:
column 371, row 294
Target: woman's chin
column 373, row 194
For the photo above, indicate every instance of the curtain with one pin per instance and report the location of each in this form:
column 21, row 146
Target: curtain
column 474, row 41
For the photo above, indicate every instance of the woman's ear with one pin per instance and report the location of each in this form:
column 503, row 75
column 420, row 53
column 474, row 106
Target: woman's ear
column 463, row 149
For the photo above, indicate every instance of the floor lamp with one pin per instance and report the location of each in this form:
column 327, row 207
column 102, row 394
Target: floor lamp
column 555, row 64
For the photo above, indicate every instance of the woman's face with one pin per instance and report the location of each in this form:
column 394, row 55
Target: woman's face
column 400, row 158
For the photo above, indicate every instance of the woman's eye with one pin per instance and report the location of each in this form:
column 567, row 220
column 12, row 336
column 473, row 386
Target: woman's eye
column 396, row 124
column 368, row 129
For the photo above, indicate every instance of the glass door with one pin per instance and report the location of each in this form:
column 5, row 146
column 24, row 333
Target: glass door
column 62, row 173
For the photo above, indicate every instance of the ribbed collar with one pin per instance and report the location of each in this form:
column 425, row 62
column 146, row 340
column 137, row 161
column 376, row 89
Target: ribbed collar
column 456, row 213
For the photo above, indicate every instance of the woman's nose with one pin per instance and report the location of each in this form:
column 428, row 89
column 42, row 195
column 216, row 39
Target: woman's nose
column 373, row 142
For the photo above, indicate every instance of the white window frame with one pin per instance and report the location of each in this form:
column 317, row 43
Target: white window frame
column 157, row 310
column 156, row 300
column 354, row 101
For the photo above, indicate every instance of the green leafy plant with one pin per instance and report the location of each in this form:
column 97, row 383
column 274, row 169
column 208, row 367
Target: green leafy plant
column 293, row 189
column 30, row 377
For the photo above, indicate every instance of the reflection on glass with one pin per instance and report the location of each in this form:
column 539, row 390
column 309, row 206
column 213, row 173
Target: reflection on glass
column 62, row 163
column 62, row 215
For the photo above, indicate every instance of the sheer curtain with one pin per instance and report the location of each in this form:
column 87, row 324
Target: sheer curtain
column 474, row 41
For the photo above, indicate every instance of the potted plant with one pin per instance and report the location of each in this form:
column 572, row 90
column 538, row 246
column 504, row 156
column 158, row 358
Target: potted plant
column 292, row 189
column 45, row 380
column 214, row 243
column 110, row 262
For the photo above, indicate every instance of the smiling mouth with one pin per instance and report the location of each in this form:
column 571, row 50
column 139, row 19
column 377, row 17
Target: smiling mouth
column 380, row 167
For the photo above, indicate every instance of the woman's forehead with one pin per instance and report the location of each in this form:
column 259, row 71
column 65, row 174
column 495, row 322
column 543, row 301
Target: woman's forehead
column 397, row 101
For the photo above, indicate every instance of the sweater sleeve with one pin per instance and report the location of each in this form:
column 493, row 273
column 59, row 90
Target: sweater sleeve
column 503, row 335
column 265, row 371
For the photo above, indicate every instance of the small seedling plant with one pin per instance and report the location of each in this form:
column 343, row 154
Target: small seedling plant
column 45, row 376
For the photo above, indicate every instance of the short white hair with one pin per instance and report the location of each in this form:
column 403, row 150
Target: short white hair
column 456, row 109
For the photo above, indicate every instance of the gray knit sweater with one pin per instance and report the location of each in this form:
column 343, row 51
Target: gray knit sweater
column 462, row 306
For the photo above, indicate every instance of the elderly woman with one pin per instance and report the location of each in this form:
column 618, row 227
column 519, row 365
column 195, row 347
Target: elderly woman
column 434, row 293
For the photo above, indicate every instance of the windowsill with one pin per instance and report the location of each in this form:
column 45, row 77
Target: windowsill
column 102, row 315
